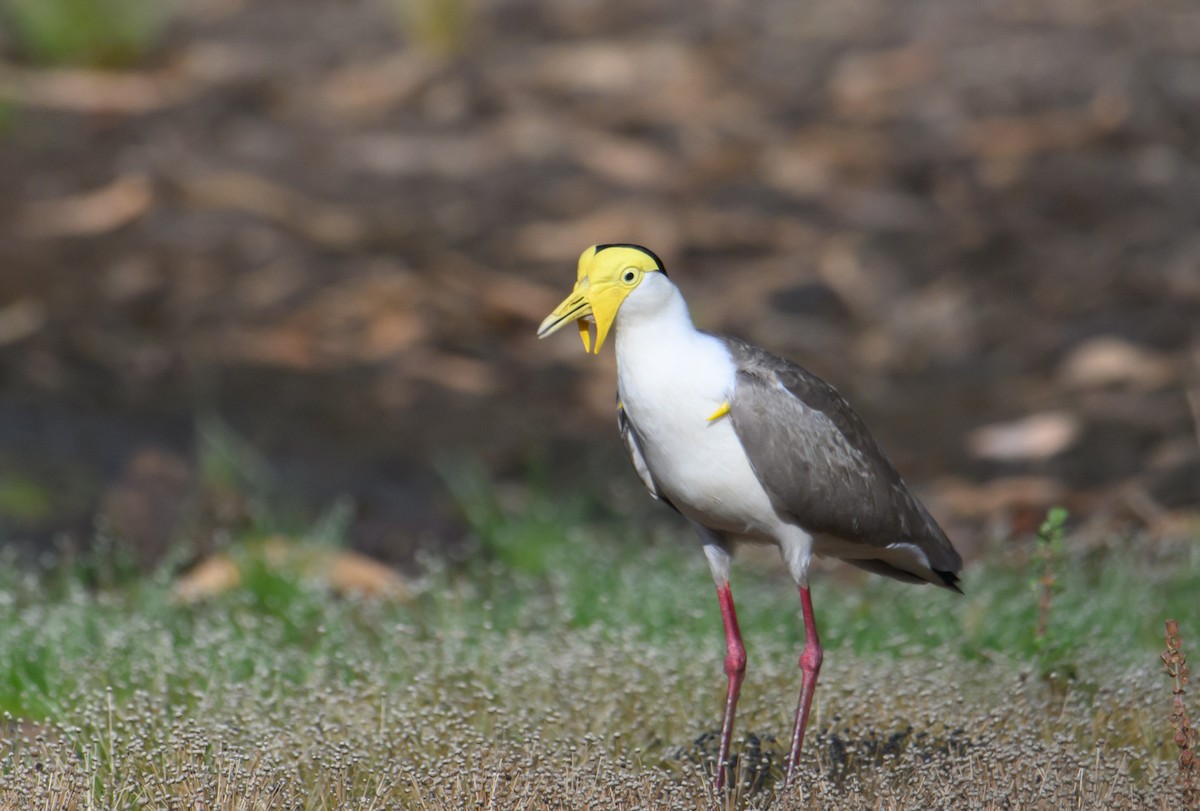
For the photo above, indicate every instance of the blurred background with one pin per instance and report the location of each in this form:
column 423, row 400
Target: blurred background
column 295, row 251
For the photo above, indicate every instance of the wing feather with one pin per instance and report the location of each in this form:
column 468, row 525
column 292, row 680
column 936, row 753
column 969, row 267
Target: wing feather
column 633, row 447
column 821, row 466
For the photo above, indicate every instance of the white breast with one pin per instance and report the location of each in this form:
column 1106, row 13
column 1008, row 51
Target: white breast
column 671, row 380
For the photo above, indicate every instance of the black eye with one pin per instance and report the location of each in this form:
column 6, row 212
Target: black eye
column 629, row 276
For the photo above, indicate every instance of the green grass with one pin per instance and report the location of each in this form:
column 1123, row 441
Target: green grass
column 89, row 33
column 563, row 666
column 1108, row 605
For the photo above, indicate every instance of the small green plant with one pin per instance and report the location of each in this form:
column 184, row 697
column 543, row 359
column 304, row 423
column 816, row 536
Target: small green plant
column 438, row 26
column 1186, row 736
column 1052, row 647
column 228, row 461
column 1049, row 551
column 521, row 526
column 23, row 498
column 88, row 33
column 241, row 492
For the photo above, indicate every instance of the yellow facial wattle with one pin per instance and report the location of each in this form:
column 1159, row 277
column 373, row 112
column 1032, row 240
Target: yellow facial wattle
column 606, row 275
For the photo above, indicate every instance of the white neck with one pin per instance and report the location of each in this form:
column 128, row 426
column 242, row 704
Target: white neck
column 657, row 317
column 663, row 361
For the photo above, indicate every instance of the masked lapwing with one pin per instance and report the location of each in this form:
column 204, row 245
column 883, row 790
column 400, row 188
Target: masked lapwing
column 748, row 447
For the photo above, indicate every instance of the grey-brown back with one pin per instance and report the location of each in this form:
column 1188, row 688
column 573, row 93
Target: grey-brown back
column 821, row 466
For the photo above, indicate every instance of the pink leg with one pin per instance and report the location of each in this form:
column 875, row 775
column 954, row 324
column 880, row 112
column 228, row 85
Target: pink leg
column 810, row 666
column 735, row 669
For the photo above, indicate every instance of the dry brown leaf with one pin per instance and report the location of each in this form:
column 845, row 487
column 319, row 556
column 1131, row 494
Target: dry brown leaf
column 210, row 577
column 390, row 334
column 612, row 67
column 867, row 86
column 289, row 346
column 95, row 212
column 363, row 319
column 344, row 571
column 1036, row 437
column 368, row 318
column 79, row 90
column 1009, row 137
column 217, row 62
column 323, row 223
column 370, row 91
column 460, row 156
column 623, row 160
column 1109, row 360
column 352, row 573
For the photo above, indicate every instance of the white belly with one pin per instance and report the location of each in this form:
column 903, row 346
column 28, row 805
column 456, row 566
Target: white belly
column 669, row 391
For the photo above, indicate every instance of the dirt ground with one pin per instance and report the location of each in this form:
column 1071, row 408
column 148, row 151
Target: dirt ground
column 981, row 221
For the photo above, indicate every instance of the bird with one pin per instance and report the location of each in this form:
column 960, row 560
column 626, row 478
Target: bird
column 750, row 448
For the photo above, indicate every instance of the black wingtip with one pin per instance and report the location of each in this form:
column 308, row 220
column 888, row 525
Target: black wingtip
column 950, row 579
